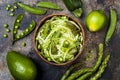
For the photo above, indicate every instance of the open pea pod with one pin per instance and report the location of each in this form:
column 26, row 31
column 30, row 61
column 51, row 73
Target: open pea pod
column 27, row 31
column 17, row 24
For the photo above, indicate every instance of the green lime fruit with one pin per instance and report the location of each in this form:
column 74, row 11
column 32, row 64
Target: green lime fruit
column 20, row 66
column 96, row 20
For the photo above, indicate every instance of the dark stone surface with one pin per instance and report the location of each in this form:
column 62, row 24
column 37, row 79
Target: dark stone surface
column 49, row 72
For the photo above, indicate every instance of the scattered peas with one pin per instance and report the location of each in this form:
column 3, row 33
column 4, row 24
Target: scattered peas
column 7, row 30
column 11, row 14
column 5, row 35
column 6, row 25
column 90, row 55
column 23, row 44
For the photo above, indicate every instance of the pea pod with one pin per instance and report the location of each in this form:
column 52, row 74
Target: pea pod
column 16, row 24
column 26, row 31
column 31, row 9
column 113, row 21
column 46, row 4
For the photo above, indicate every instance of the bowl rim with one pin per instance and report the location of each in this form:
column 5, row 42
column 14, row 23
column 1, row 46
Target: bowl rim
column 48, row 17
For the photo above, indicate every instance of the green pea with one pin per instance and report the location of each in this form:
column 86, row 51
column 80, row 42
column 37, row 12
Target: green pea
column 18, row 21
column 66, row 43
column 60, row 59
column 86, row 59
column 15, row 7
column 8, row 5
column 49, row 59
column 16, row 27
column 31, row 25
column 18, row 37
column 7, row 8
column 39, row 46
column 6, row 25
column 23, row 44
column 7, row 30
column 15, row 32
column 26, row 30
column 12, row 10
column 22, row 34
column 11, row 14
column 5, row 35
column 37, row 39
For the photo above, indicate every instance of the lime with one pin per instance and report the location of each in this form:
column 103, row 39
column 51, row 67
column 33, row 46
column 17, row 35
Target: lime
column 96, row 20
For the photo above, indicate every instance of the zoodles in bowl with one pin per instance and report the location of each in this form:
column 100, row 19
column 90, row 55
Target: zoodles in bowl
column 59, row 39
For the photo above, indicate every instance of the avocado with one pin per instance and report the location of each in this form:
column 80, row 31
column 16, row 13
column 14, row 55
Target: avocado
column 20, row 66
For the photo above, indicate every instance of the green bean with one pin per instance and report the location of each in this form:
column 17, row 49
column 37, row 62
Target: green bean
column 69, row 70
column 26, row 32
column 31, row 9
column 101, row 68
column 84, row 76
column 46, row 4
column 16, row 24
column 113, row 21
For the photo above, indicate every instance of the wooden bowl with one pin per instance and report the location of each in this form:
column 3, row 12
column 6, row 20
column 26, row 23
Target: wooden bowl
column 39, row 25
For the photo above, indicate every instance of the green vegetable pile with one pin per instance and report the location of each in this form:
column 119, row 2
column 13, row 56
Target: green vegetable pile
column 59, row 39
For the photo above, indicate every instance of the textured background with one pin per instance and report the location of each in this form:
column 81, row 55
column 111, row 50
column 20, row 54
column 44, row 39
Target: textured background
column 49, row 72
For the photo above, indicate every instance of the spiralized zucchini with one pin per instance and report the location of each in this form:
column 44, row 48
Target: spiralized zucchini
column 59, row 39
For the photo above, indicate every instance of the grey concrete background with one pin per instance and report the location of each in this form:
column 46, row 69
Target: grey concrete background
column 49, row 72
